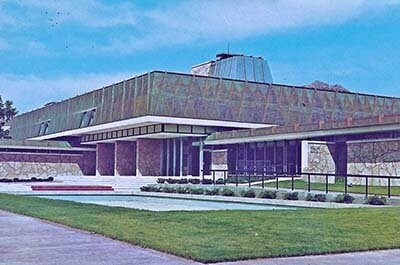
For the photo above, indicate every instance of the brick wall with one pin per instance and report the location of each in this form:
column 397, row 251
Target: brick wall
column 148, row 157
column 105, row 159
column 125, row 158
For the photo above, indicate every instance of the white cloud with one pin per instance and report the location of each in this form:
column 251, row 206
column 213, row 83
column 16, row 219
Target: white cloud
column 87, row 13
column 30, row 92
column 213, row 21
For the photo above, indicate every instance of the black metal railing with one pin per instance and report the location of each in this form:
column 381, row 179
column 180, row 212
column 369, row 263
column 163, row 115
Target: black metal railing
column 260, row 175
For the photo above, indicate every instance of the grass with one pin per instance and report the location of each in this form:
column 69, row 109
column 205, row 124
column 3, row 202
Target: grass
column 225, row 235
column 339, row 187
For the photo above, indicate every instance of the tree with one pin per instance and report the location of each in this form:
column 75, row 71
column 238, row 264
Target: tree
column 7, row 113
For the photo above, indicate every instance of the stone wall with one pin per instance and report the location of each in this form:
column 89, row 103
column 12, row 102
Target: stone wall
column 148, row 157
column 125, row 158
column 42, row 165
column 375, row 158
column 105, row 160
column 318, row 157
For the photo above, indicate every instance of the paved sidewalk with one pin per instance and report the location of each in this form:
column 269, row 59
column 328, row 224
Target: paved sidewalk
column 382, row 257
column 25, row 240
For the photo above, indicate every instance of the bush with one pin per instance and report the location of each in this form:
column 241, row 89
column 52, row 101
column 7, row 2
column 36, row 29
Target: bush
column 182, row 190
column 207, row 181
column 161, row 180
column 250, row 193
column 220, row 181
column 182, row 181
column 344, row 198
column 267, row 194
column 50, row 179
column 376, row 200
column 34, row 179
column 196, row 191
column 16, row 179
column 168, row 189
column 145, row 188
column 194, row 181
column 316, row 197
column 211, row 192
column 171, row 181
column 227, row 192
column 291, row 196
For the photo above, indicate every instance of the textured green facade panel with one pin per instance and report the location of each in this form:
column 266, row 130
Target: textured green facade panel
column 201, row 97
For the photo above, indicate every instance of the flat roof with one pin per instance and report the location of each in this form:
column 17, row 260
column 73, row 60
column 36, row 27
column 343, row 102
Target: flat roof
column 187, row 96
column 299, row 131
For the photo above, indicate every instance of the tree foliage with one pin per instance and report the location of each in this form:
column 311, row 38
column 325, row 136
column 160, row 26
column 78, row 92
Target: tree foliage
column 7, row 112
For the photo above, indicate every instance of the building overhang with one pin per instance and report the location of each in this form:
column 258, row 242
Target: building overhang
column 306, row 134
column 149, row 120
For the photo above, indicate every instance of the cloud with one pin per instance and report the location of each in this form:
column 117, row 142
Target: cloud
column 126, row 27
column 30, row 92
column 213, row 21
column 87, row 13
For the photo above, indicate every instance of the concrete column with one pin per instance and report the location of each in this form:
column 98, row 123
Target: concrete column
column 168, row 158
column 105, row 160
column 201, row 157
column 148, row 162
column 181, row 157
column 125, row 158
column 174, row 158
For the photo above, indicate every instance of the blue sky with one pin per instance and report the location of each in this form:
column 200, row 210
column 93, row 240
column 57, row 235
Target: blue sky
column 51, row 49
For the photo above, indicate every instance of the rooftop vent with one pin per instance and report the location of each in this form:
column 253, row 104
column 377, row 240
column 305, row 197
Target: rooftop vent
column 236, row 66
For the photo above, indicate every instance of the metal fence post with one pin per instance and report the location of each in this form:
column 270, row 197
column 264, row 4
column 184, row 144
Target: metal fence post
column 249, row 180
column 277, row 181
column 262, row 183
column 237, row 178
column 326, row 184
column 389, row 179
column 292, row 182
column 308, row 182
column 366, row 186
column 345, row 184
column 213, row 173
column 224, row 177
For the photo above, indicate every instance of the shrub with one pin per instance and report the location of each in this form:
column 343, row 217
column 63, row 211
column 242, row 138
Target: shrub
column 15, row 179
column 182, row 181
column 182, row 190
column 376, row 200
column 50, row 179
column 196, row 191
column 250, row 193
column 220, row 181
column 161, row 180
column 211, row 192
column 145, row 188
column 267, row 194
column 172, row 181
column 227, row 192
column 34, row 179
column 291, row 196
column 207, row 181
column 316, row 197
column 194, row 181
column 168, row 189
column 344, row 198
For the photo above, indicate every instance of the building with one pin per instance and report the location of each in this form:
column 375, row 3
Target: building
column 227, row 114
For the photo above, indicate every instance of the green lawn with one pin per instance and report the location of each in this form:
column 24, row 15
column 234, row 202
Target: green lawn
column 226, row 235
column 339, row 187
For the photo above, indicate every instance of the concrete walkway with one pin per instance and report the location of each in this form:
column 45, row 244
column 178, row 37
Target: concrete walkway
column 25, row 240
column 383, row 257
